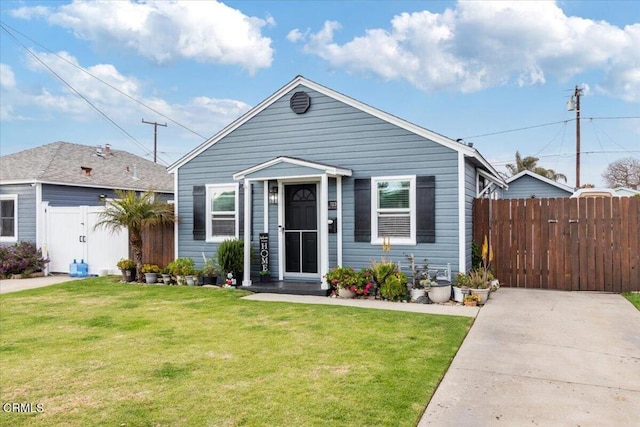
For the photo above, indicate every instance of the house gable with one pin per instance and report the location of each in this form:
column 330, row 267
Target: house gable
column 289, row 167
column 527, row 184
column 301, row 84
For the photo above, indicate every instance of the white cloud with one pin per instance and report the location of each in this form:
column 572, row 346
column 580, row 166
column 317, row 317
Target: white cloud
column 7, row 78
column 30, row 12
column 295, row 35
column 203, row 114
column 479, row 45
column 164, row 31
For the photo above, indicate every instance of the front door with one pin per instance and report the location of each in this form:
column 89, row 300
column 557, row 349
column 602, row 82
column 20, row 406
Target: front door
column 301, row 229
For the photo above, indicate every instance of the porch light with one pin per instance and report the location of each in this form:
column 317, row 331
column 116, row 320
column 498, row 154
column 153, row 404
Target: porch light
column 273, row 195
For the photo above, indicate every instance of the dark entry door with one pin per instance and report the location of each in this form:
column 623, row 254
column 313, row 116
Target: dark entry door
column 301, row 229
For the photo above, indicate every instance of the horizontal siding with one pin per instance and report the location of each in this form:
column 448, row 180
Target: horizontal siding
column 526, row 187
column 26, row 210
column 335, row 134
column 470, row 185
column 62, row 195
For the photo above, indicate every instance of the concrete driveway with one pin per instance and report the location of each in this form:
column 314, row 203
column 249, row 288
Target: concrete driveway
column 15, row 285
column 546, row 358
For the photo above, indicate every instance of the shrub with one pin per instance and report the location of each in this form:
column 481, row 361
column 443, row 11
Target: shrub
column 342, row 277
column 231, row 256
column 22, row 258
column 126, row 264
column 151, row 268
column 394, row 287
column 181, row 266
column 210, row 268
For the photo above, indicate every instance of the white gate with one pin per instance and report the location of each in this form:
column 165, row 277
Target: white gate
column 70, row 234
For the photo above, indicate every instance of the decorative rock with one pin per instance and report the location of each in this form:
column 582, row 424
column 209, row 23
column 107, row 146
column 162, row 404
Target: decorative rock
column 421, row 300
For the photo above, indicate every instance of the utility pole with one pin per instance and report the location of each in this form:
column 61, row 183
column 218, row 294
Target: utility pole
column 155, row 138
column 574, row 104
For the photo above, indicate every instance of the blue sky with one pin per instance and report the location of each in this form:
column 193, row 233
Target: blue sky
column 462, row 69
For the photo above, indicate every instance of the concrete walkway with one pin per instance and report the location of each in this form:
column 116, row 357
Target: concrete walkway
column 15, row 285
column 546, row 358
column 454, row 310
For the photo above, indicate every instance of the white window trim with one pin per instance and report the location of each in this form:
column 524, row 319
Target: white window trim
column 219, row 239
column 14, row 238
column 375, row 240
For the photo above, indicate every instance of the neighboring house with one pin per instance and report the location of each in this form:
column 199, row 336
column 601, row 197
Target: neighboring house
column 528, row 184
column 43, row 188
column 606, row 192
column 329, row 179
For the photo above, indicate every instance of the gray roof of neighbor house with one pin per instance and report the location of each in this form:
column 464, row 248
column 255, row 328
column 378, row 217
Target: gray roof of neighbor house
column 65, row 163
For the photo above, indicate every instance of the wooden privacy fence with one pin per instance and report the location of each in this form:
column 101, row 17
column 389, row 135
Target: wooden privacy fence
column 157, row 245
column 586, row 244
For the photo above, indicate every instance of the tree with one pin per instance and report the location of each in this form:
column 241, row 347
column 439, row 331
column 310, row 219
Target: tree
column 551, row 174
column 623, row 173
column 134, row 212
column 530, row 163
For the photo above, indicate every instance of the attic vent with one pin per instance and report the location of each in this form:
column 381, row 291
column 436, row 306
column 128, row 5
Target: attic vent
column 300, row 102
column 86, row 170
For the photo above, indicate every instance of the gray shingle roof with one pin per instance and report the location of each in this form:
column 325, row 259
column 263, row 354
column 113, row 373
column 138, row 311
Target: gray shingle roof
column 74, row 164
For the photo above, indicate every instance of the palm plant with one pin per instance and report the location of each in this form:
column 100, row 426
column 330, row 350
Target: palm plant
column 530, row 163
column 135, row 212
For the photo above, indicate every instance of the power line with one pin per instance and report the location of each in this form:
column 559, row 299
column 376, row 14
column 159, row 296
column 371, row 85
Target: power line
column 99, row 79
column 71, row 88
column 504, row 162
column 549, row 124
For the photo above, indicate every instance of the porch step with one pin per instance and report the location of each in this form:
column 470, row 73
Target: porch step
column 291, row 288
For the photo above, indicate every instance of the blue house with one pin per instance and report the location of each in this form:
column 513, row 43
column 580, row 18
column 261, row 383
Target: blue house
column 51, row 195
column 326, row 180
column 527, row 184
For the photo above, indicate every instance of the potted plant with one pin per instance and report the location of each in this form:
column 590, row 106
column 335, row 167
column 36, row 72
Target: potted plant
column 460, row 286
column 424, row 287
column 231, row 258
column 166, row 275
column 128, row 269
column 381, row 270
column 440, row 291
column 366, row 284
column 394, row 287
column 342, row 279
column 471, row 300
column 479, row 283
column 150, row 272
column 210, row 271
column 180, row 268
column 198, row 278
column 419, row 278
column 265, row 276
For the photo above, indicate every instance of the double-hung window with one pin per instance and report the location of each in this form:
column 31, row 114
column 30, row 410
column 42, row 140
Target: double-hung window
column 8, row 218
column 222, row 212
column 394, row 209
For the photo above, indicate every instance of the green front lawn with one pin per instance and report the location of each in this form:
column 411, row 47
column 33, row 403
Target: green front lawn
column 633, row 298
column 95, row 352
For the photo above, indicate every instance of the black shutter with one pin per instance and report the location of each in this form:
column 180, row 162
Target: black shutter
column 426, row 209
column 199, row 212
column 362, row 216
